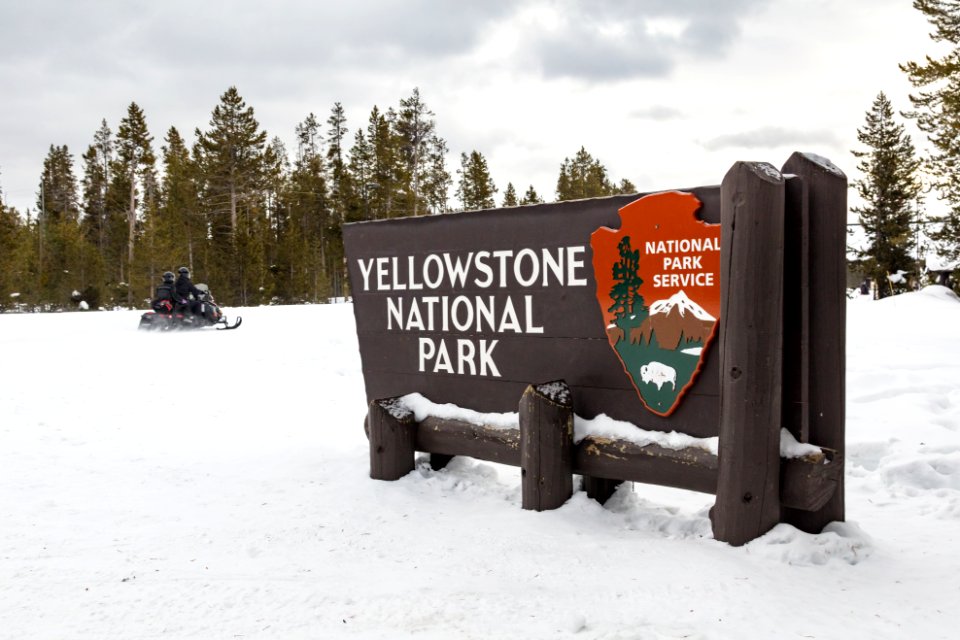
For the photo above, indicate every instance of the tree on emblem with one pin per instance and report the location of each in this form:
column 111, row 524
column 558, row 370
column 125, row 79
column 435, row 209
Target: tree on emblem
column 625, row 292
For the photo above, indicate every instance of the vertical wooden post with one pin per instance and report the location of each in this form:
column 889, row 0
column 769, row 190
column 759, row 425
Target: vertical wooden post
column 796, row 306
column 393, row 432
column 827, row 197
column 600, row 489
column 546, row 446
column 439, row 460
column 751, row 337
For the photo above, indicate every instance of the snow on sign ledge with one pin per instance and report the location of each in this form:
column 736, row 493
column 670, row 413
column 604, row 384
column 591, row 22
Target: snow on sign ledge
column 601, row 426
column 422, row 408
column 605, row 427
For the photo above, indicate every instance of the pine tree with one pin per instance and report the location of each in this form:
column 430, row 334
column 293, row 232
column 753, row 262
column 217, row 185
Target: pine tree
column 12, row 238
column 361, row 172
column 59, row 263
column 582, row 177
column 889, row 188
column 342, row 196
column 531, row 197
column 314, row 227
column 624, row 188
column 385, row 176
column 415, row 129
column 135, row 162
column 509, row 196
column 475, row 188
column 437, row 179
column 180, row 229
column 230, row 161
column 97, row 162
column 937, row 113
column 625, row 292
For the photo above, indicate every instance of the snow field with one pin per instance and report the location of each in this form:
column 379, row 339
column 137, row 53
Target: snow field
column 214, row 485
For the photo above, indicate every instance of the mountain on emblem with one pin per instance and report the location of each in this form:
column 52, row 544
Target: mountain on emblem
column 675, row 323
column 662, row 253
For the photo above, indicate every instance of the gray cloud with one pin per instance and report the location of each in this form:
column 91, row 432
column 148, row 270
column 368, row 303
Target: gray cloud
column 84, row 37
column 613, row 39
column 657, row 112
column 767, row 137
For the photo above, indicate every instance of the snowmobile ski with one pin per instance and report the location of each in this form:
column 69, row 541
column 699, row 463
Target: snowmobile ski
column 228, row 327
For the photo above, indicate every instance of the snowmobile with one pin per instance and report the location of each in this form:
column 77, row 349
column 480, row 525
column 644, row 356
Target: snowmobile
column 167, row 316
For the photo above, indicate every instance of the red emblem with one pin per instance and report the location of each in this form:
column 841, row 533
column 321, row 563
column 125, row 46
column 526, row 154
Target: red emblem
column 658, row 285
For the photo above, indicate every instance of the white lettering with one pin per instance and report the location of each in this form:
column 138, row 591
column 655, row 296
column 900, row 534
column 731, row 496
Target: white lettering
column 458, row 303
column 394, row 311
column 382, row 274
column 432, row 259
column 397, row 286
column 457, row 271
column 427, row 351
column 412, row 273
column 509, row 318
column 443, row 359
column 365, row 272
column 485, row 312
column 414, row 320
column 481, row 264
column 465, row 353
column 572, row 265
column 534, row 267
column 486, row 358
column 503, row 255
column 553, row 266
column 528, row 315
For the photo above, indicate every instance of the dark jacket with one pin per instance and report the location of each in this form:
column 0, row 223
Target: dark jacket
column 185, row 287
column 165, row 292
column 164, row 300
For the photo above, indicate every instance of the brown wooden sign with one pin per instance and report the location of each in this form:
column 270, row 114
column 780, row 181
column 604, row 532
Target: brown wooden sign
column 469, row 308
column 610, row 306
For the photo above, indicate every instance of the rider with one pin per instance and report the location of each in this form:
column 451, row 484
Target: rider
column 163, row 301
column 185, row 288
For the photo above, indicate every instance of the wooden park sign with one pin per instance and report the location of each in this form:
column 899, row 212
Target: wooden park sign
column 712, row 312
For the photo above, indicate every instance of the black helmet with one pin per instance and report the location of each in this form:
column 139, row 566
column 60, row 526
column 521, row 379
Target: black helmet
column 184, row 271
column 168, row 277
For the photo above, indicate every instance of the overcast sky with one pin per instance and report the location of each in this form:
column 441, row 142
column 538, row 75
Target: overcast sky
column 667, row 93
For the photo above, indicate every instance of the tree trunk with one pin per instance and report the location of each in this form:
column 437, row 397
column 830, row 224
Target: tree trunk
column 132, row 221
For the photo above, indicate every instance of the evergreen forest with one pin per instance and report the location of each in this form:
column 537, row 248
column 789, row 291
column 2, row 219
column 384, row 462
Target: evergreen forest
column 256, row 221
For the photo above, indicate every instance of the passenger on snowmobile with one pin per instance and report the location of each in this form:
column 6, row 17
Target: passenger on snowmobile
column 163, row 300
column 185, row 289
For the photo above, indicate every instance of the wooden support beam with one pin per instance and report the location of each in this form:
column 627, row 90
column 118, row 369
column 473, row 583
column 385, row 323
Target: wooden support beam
column 439, row 460
column 546, row 446
column 392, row 430
column 445, row 436
column 691, row 468
column 600, row 489
column 796, row 306
column 605, row 463
column 827, row 318
column 808, row 484
column 751, row 338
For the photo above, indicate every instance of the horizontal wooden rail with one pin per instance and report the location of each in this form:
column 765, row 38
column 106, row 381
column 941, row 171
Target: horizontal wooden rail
column 806, row 484
column 458, row 438
column 690, row 468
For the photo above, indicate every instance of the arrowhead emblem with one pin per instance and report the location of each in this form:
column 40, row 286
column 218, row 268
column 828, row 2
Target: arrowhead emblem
column 658, row 287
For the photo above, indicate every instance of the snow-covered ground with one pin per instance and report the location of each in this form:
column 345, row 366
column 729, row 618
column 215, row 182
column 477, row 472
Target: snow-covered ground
column 214, row 485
